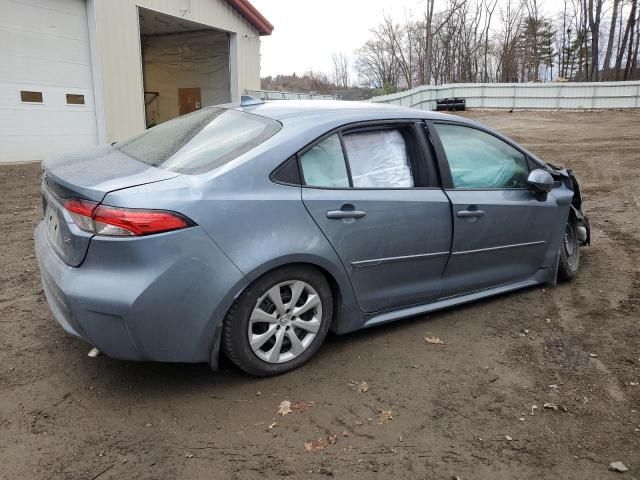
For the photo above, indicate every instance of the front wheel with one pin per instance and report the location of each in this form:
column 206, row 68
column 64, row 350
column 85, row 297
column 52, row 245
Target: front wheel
column 279, row 321
column 569, row 253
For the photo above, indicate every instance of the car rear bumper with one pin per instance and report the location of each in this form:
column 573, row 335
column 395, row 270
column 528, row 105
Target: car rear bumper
column 158, row 298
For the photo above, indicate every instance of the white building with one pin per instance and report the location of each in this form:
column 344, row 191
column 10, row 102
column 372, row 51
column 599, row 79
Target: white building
column 75, row 73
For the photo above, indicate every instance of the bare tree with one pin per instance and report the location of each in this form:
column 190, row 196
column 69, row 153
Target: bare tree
column 467, row 41
column 489, row 8
column 507, row 42
column 612, row 35
column 630, row 50
column 594, row 15
column 635, row 65
column 622, row 44
column 341, row 68
column 376, row 66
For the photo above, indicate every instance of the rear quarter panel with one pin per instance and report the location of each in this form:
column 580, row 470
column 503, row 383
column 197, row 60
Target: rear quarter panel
column 258, row 224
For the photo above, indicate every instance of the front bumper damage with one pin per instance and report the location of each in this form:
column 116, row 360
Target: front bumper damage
column 581, row 219
column 583, row 229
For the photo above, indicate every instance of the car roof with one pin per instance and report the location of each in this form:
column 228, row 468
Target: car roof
column 335, row 111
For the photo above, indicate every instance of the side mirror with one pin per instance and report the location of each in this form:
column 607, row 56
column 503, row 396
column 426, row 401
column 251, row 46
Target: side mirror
column 540, row 181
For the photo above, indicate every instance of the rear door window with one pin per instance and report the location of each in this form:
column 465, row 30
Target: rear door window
column 201, row 141
column 378, row 159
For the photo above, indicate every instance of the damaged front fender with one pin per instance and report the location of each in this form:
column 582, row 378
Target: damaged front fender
column 583, row 229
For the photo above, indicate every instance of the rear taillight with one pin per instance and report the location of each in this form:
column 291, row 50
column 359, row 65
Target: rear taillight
column 81, row 211
column 119, row 222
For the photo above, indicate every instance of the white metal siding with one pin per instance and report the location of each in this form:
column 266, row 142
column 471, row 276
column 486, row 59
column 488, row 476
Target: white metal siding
column 595, row 95
column 118, row 42
column 44, row 47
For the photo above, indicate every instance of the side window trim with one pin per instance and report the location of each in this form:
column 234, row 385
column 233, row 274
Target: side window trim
column 443, row 162
column 430, row 181
column 287, row 173
column 345, row 155
column 441, row 158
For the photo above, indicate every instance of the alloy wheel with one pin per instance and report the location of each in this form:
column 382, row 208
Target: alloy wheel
column 285, row 321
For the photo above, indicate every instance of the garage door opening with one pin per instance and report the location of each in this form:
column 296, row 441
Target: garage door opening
column 185, row 66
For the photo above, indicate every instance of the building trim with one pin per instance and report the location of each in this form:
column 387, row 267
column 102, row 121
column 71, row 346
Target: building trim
column 253, row 16
column 96, row 73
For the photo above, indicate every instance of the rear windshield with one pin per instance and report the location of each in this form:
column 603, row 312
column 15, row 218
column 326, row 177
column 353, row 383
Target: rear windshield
column 201, row 141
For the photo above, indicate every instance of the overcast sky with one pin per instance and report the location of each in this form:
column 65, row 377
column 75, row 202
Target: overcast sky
column 307, row 33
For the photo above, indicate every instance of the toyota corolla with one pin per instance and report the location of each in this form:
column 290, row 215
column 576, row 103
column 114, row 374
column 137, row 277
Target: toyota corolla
column 253, row 229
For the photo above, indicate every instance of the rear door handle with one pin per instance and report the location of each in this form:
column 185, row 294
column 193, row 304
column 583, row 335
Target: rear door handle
column 470, row 214
column 338, row 214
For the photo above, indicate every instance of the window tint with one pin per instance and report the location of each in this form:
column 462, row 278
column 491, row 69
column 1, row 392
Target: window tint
column 480, row 160
column 201, row 141
column 323, row 165
column 378, row 159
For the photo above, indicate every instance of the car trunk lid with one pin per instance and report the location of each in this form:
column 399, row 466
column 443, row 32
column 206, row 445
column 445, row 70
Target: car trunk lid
column 93, row 173
column 88, row 175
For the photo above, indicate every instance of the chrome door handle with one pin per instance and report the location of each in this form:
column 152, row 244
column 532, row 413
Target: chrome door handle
column 470, row 214
column 338, row 214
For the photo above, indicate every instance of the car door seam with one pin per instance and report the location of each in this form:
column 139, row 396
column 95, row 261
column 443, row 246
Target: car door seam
column 346, row 271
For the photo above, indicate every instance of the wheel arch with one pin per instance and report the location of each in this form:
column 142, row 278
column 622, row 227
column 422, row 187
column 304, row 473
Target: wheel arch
column 341, row 290
column 335, row 274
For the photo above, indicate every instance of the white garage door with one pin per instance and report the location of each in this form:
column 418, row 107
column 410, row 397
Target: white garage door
column 46, row 88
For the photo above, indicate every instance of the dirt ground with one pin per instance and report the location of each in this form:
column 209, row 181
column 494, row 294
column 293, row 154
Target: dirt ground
column 464, row 409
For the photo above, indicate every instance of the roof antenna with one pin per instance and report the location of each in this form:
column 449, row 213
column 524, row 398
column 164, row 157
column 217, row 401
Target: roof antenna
column 248, row 100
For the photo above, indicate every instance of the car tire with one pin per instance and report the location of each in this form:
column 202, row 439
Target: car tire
column 569, row 253
column 257, row 315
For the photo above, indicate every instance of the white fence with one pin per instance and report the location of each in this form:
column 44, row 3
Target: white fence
column 569, row 95
column 276, row 95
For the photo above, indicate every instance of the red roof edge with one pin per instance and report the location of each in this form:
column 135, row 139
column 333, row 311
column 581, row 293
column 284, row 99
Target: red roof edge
column 253, row 16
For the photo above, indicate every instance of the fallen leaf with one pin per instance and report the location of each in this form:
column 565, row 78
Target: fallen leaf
column 362, row 386
column 508, row 438
column 301, row 406
column 284, row 408
column 554, row 406
column 273, row 425
column 618, row 467
column 314, row 445
column 433, row 340
column 593, row 355
column 384, row 416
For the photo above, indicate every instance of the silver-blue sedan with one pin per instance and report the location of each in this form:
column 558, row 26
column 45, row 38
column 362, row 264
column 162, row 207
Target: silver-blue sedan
column 254, row 229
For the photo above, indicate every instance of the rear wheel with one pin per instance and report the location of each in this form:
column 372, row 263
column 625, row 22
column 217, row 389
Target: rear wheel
column 569, row 253
column 279, row 322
